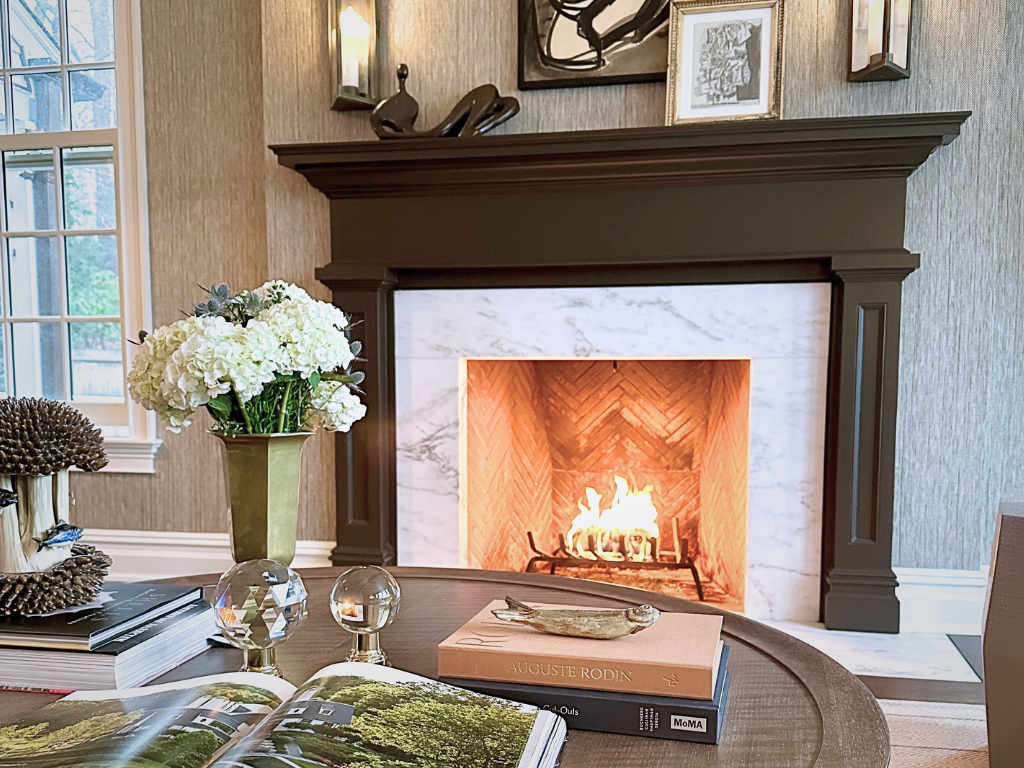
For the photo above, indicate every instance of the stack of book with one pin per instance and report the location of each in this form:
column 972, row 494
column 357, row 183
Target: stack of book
column 129, row 635
column 670, row 681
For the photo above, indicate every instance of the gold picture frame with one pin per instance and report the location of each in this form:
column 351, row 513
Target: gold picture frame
column 725, row 60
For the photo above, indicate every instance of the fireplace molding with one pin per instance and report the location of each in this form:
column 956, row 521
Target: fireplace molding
column 819, row 200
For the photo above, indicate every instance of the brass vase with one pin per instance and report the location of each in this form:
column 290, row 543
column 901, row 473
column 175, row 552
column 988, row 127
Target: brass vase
column 263, row 487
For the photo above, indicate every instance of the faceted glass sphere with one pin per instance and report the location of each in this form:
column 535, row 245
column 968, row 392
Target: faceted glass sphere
column 365, row 599
column 259, row 603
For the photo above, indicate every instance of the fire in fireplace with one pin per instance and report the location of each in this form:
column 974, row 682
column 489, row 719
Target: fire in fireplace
column 627, row 471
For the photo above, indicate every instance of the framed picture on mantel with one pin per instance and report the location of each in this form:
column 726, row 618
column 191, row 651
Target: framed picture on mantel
column 568, row 43
column 725, row 60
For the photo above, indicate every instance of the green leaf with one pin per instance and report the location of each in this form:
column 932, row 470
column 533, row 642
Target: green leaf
column 221, row 405
column 314, row 380
column 356, row 347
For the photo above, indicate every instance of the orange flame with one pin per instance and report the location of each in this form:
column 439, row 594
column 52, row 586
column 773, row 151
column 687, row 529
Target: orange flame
column 632, row 517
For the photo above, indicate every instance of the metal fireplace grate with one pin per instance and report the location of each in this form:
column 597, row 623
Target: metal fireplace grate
column 677, row 558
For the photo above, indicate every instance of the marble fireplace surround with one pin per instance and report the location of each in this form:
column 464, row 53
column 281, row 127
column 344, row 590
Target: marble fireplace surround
column 786, row 201
column 782, row 328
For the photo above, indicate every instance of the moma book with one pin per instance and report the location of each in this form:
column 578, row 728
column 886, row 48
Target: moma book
column 678, row 656
column 116, row 610
column 352, row 715
column 629, row 714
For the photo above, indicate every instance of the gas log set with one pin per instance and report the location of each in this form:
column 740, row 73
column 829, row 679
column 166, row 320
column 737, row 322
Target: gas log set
column 624, row 536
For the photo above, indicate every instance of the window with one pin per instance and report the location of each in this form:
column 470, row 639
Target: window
column 73, row 258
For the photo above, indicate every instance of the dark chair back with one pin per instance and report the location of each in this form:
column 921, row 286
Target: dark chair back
column 1003, row 642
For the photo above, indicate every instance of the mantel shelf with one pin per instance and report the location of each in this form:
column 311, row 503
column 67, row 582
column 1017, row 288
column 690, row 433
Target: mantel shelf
column 738, row 152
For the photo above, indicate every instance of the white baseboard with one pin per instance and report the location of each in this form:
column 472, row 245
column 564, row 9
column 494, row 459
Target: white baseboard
column 942, row 601
column 147, row 555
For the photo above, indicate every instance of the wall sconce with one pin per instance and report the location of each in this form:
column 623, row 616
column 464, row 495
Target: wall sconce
column 353, row 54
column 880, row 47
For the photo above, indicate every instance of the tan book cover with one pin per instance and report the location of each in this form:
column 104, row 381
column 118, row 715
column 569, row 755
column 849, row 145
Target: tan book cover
column 677, row 656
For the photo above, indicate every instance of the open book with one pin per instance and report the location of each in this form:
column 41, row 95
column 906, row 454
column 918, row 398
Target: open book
column 347, row 715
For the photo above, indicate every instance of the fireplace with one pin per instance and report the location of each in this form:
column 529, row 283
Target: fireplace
column 813, row 202
column 632, row 471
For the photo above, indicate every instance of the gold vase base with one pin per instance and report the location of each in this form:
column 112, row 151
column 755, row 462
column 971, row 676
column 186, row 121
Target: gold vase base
column 366, row 648
column 261, row 661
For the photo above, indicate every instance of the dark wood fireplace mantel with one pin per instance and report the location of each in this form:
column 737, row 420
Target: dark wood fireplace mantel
column 784, row 201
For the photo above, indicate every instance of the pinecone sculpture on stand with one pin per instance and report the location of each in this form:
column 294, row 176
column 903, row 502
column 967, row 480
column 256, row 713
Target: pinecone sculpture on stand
column 43, row 566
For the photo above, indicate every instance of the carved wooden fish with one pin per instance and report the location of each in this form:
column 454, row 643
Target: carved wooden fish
column 595, row 623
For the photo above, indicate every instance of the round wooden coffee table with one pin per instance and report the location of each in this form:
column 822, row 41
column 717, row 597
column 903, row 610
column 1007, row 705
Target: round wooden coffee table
column 790, row 706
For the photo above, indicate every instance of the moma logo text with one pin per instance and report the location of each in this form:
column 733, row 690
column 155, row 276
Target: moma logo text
column 681, row 723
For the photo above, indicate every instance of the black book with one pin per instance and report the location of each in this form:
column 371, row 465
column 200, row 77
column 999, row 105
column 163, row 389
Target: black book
column 629, row 714
column 118, row 609
column 128, row 660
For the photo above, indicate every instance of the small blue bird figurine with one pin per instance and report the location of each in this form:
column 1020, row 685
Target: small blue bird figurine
column 7, row 498
column 63, row 533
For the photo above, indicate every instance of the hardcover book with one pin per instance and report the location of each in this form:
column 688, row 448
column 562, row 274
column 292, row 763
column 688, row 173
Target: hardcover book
column 677, row 657
column 130, row 659
column 629, row 714
column 118, row 609
column 353, row 715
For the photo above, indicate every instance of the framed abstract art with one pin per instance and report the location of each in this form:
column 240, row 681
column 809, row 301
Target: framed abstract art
column 568, row 43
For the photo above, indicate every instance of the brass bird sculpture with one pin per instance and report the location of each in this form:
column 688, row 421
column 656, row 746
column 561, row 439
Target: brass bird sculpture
column 594, row 623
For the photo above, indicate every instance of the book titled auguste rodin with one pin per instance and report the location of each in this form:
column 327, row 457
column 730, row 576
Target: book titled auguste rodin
column 678, row 656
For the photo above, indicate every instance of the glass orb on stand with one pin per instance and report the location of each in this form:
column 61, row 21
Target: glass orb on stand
column 364, row 600
column 258, row 604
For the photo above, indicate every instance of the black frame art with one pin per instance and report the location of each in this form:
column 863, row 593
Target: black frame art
column 578, row 43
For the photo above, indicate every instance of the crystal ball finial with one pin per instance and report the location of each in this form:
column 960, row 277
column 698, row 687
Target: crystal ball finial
column 364, row 601
column 258, row 604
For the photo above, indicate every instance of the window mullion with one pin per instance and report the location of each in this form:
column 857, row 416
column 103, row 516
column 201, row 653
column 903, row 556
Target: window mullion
column 90, row 138
column 5, row 10
column 4, row 326
column 8, row 382
column 8, row 82
column 58, row 191
column 65, row 82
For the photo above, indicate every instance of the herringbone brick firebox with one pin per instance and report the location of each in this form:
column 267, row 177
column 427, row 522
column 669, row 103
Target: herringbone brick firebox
column 536, row 433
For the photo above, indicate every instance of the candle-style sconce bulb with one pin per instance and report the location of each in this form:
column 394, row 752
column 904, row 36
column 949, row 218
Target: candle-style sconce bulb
column 353, row 52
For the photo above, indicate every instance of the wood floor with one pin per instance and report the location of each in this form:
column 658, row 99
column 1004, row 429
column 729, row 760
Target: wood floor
column 936, row 735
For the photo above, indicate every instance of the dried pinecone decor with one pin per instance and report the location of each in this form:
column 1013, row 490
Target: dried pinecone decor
column 43, row 566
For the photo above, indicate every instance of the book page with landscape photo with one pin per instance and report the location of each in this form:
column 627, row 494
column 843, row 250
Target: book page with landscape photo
column 368, row 716
column 177, row 725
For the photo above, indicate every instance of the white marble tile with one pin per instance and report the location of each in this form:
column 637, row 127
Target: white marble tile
column 782, row 328
column 910, row 654
column 783, row 320
column 427, row 437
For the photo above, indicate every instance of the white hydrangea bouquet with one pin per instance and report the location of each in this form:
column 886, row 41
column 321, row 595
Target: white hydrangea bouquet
column 269, row 361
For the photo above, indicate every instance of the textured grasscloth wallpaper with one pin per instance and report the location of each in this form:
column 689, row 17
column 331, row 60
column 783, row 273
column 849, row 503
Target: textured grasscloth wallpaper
column 224, row 78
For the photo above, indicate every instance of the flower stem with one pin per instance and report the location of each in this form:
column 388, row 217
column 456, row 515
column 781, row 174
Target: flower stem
column 284, row 407
column 245, row 415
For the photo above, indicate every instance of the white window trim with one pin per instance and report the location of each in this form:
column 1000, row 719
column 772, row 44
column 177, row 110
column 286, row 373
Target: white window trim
column 132, row 454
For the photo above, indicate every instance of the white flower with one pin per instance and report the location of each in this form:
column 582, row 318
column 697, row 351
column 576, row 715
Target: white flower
column 281, row 289
column 220, row 357
column 311, row 335
column 335, row 407
column 145, row 380
column 183, row 366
